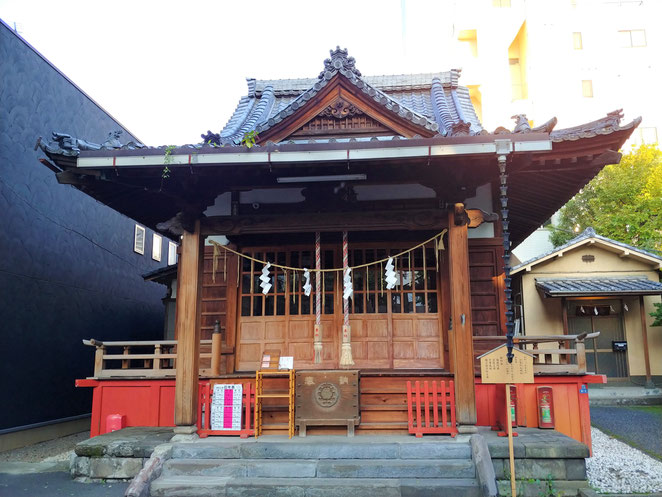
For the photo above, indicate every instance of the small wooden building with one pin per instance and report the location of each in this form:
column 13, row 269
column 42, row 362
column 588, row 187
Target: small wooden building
column 392, row 161
column 593, row 283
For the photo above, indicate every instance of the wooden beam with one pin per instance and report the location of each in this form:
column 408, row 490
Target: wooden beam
column 462, row 352
column 644, row 335
column 564, row 310
column 325, row 222
column 187, row 328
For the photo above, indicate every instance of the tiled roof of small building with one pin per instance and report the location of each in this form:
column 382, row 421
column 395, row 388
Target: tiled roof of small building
column 558, row 287
column 588, row 233
column 433, row 101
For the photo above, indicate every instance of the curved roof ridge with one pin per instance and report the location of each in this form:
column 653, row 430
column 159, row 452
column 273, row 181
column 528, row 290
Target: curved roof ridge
column 341, row 63
column 604, row 126
column 441, row 112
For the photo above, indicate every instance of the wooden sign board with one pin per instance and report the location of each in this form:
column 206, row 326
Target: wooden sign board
column 495, row 368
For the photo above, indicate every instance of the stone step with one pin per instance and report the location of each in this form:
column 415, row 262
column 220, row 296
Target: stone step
column 208, row 486
column 314, row 448
column 325, row 468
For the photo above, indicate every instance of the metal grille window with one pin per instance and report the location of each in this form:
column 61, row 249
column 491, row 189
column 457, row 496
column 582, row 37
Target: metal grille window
column 286, row 295
column 416, row 291
column 139, row 240
column 172, row 253
column 157, row 245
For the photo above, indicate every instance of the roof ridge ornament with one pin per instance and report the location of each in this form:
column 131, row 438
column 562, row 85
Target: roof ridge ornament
column 339, row 62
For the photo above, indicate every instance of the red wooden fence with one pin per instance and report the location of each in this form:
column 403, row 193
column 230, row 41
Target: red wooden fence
column 206, row 393
column 431, row 410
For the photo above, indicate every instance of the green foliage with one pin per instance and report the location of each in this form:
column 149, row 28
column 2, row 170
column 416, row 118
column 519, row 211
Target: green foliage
column 657, row 314
column 623, row 202
column 167, row 159
column 545, row 487
column 249, row 139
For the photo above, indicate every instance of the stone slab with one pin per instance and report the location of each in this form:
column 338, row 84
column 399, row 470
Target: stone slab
column 243, row 468
column 535, row 443
column 440, row 488
column 436, row 450
column 205, row 450
column 128, row 442
column 381, row 468
column 188, row 486
column 313, row 487
column 575, row 469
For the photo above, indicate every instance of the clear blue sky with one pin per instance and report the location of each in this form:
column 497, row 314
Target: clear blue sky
column 170, row 70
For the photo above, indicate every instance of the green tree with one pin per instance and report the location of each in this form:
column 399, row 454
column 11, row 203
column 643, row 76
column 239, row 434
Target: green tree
column 623, row 202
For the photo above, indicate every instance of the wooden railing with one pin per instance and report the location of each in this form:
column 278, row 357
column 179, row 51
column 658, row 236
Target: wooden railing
column 149, row 359
column 568, row 358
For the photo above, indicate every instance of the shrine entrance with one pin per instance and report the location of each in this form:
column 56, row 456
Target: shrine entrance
column 391, row 329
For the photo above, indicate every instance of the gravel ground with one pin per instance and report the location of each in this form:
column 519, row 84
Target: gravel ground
column 49, row 451
column 638, row 426
column 618, row 468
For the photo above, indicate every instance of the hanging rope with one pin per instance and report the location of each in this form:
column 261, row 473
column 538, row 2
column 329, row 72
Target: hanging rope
column 346, row 348
column 317, row 338
column 438, row 239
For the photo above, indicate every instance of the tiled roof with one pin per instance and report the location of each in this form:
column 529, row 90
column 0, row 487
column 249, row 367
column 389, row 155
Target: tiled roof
column 604, row 126
column 433, row 101
column 559, row 287
column 588, row 233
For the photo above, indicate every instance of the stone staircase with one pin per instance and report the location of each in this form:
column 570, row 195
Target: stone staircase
column 375, row 466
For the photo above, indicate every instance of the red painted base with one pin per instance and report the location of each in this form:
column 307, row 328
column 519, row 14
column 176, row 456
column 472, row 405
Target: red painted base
column 151, row 403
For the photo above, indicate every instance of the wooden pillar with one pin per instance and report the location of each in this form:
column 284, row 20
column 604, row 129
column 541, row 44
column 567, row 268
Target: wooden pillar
column 644, row 335
column 187, row 329
column 564, row 311
column 462, row 343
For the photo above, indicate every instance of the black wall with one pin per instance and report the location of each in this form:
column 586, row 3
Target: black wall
column 67, row 266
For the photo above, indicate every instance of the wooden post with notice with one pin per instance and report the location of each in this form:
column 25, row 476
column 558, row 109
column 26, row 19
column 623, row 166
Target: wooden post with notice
column 495, row 368
column 187, row 330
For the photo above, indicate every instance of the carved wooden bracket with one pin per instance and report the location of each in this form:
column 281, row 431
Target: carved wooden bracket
column 472, row 217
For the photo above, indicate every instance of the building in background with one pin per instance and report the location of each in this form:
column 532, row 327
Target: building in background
column 595, row 284
column 70, row 267
column 519, row 56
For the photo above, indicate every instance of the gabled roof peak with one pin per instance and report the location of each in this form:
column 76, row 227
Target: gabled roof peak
column 590, row 236
column 339, row 62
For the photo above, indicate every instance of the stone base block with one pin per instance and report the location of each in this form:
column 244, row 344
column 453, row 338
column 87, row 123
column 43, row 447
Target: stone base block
column 542, row 487
column 119, row 468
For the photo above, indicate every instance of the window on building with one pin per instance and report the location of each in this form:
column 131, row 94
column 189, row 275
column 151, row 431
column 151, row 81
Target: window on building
column 648, row 136
column 632, row 38
column 577, row 41
column 500, row 3
column 157, row 245
column 516, row 82
column 587, row 88
column 139, row 240
column 172, row 253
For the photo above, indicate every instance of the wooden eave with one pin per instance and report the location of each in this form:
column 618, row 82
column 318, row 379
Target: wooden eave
column 339, row 88
column 138, row 190
column 540, row 186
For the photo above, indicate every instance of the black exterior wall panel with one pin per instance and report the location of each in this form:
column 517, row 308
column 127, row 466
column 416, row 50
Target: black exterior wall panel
column 67, row 266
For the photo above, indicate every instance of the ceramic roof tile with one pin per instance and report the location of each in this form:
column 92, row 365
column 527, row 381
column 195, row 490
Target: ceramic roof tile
column 585, row 235
column 408, row 95
column 598, row 286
